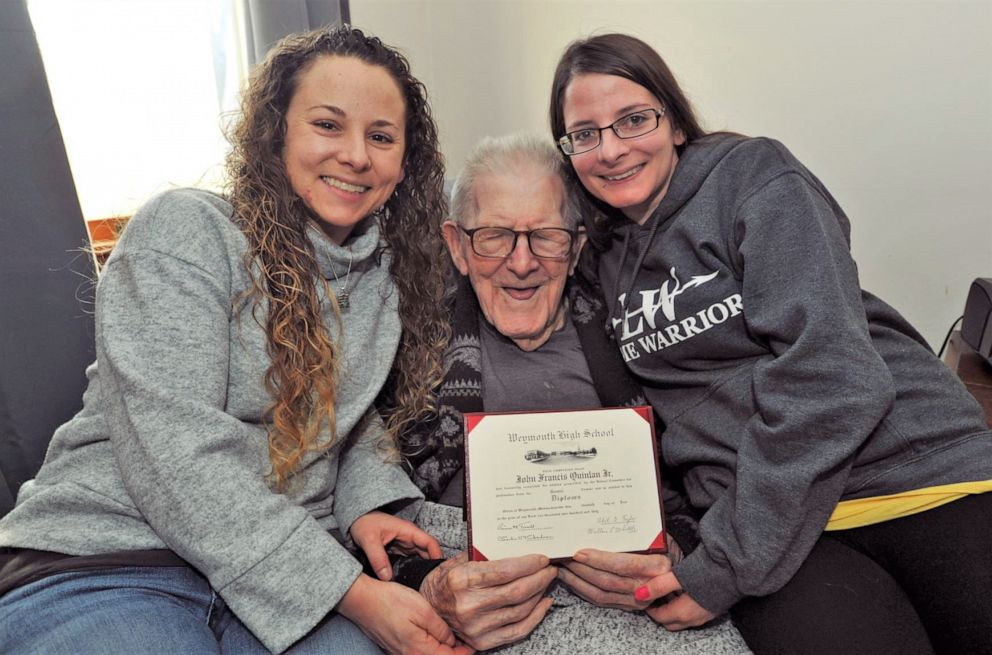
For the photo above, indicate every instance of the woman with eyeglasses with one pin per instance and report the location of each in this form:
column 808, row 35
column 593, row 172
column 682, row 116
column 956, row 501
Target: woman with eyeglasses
column 842, row 469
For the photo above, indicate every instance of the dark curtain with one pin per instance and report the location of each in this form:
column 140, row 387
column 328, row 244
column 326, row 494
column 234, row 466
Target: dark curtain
column 270, row 20
column 46, row 278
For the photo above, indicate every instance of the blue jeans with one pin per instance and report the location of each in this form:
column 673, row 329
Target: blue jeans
column 144, row 610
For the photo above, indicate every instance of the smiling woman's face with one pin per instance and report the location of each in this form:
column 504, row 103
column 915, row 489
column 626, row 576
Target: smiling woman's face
column 520, row 294
column 631, row 175
column 345, row 138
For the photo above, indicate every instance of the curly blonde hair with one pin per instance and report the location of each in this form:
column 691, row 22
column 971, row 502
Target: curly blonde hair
column 282, row 263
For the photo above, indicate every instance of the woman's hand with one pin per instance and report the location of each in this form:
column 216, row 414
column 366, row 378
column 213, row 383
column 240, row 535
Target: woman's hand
column 398, row 619
column 609, row 579
column 634, row 582
column 489, row 604
column 373, row 531
column 677, row 613
column 680, row 613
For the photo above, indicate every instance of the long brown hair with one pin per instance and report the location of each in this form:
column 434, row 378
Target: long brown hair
column 282, row 263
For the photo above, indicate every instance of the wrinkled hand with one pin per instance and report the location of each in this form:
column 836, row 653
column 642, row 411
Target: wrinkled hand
column 372, row 532
column 609, row 579
column 398, row 619
column 489, row 604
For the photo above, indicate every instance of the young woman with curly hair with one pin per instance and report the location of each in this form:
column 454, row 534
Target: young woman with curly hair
column 228, row 443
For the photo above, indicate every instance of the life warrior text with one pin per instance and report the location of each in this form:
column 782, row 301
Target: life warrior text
column 636, row 322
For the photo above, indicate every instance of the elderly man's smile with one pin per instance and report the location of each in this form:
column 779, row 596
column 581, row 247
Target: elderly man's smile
column 521, row 293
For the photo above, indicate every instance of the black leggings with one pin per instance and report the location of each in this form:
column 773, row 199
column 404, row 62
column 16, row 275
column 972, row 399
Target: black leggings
column 919, row 584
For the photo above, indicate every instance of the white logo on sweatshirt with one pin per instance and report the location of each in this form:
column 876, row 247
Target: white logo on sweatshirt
column 637, row 322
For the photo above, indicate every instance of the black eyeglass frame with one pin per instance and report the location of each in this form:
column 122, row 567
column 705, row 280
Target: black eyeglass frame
column 572, row 235
column 567, row 138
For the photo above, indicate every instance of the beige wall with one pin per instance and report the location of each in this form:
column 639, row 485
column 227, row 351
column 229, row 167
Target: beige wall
column 888, row 102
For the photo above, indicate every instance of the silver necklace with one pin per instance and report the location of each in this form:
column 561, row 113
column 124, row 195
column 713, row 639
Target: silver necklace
column 344, row 298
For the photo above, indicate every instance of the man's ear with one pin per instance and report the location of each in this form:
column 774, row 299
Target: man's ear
column 453, row 239
column 580, row 241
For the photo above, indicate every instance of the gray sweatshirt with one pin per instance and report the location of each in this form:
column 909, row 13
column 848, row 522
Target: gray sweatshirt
column 170, row 449
column 784, row 387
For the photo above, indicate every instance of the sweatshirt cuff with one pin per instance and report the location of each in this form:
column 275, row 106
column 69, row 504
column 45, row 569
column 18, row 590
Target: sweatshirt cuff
column 391, row 488
column 410, row 570
column 285, row 595
column 710, row 584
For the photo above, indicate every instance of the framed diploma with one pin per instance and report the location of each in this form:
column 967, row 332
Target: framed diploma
column 556, row 482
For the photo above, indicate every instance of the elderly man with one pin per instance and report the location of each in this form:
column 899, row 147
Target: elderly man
column 525, row 337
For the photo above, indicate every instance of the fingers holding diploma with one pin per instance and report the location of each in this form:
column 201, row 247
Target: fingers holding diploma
column 609, row 579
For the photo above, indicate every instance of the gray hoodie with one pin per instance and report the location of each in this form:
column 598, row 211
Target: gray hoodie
column 784, row 387
column 170, row 449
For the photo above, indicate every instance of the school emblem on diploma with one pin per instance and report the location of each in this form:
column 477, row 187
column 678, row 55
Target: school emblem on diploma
column 556, row 482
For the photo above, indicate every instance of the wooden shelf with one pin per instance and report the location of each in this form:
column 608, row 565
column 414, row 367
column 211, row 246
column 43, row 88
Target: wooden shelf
column 104, row 233
column 974, row 371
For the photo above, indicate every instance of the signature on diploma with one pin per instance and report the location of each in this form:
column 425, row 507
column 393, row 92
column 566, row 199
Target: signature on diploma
column 526, row 536
column 619, row 523
column 522, row 526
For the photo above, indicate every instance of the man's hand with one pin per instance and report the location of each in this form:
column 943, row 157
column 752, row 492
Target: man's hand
column 634, row 582
column 609, row 579
column 489, row 604
column 372, row 532
column 398, row 619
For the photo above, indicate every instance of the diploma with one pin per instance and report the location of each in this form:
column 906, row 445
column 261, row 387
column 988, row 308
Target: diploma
column 556, row 482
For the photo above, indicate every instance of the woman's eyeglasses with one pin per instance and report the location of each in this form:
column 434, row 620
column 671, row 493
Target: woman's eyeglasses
column 628, row 127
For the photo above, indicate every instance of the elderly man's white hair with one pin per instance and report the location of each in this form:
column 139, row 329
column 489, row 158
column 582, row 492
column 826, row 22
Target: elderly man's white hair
column 511, row 154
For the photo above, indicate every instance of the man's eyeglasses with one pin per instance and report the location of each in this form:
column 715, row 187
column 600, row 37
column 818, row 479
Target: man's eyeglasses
column 499, row 242
column 628, row 127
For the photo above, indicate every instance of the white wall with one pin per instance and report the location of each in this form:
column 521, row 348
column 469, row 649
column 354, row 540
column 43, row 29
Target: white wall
column 888, row 102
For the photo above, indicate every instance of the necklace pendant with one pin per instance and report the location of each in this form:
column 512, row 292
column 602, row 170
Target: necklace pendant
column 344, row 298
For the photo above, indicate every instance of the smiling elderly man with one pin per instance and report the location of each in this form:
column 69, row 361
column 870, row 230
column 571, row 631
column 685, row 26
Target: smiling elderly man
column 527, row 335
column 511, row 237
